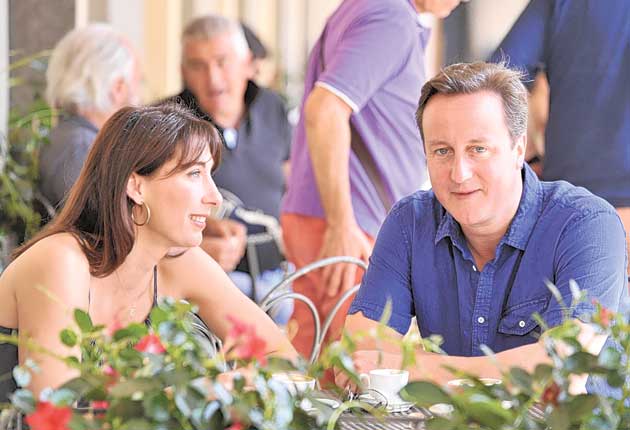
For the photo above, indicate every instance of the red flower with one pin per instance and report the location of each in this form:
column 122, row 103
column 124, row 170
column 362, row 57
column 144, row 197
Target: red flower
column 150, row 344
column 49, row 417
column 236, row 425
column 100, row 404
column 248, row 344
column 550, row 395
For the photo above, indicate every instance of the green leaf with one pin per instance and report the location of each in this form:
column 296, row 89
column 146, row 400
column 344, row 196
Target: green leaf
column 609, row 358
column 542, row 373
column 23, row 400
column 137, row 424
column 156, row 406
column 132, row 331
column 425, row 393
column 63, row 397
column 83, row 320
column 128, row 388
column 22, row 376
column 580, row 362
column 521, row 378
column 487, row 411
column 68, row 337
column 559, row 418
column 581, row 406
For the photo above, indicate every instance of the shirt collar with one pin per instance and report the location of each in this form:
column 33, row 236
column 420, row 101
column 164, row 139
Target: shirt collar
column 522, row 224
column 529, row 210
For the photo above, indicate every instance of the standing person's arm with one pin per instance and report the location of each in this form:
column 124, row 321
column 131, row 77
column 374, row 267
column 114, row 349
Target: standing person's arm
column 328, row 134
column 355, row 65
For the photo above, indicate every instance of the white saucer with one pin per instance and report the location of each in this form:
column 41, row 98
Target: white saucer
column 308, row 407
column 394, row 407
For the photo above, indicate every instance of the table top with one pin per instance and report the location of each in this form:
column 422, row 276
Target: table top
column 414, row 419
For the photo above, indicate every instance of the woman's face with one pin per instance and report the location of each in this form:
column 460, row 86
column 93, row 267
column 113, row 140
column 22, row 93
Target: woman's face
column 180, row 201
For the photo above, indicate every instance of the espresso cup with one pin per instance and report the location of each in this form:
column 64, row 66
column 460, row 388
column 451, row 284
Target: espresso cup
column 295, row 382
column 386, row 383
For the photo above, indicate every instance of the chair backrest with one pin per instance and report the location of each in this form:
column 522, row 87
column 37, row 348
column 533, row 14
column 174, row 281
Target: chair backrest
column 282, row 291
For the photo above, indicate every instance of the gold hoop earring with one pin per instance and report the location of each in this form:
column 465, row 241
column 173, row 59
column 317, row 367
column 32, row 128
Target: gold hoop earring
column 146, row 221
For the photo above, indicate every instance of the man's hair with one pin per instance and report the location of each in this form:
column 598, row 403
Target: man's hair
column 469, row 78
column 84, row 65
column 208, row 27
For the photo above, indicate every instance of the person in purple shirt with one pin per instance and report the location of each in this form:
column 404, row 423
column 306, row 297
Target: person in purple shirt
column 469, row 258
column 364, row 71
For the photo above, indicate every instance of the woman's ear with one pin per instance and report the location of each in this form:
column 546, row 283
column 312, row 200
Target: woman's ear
column 135, row 188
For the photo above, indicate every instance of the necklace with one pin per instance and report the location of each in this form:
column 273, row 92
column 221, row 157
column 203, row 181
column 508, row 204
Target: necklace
column 131, row 311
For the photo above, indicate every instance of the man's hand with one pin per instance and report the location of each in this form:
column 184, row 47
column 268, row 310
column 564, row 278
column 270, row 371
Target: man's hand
column 347, row 241
column 225, row 240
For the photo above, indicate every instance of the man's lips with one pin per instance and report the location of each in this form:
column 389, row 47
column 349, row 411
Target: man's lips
column 464, row 194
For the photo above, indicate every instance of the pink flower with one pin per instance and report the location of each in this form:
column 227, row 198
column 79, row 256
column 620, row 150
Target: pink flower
column 49, row 417
column 248, row 345
column 605, row 316
column 236, row 425
column 150, row 344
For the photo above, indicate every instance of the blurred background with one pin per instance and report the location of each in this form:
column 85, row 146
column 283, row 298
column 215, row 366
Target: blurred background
column 287, row 28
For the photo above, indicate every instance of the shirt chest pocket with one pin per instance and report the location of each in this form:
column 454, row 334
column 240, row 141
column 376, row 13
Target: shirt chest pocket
column 518, row 320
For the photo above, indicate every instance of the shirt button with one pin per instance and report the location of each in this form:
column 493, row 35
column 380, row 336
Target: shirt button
column 474, row 268
column 521, row 323
column 481, row 320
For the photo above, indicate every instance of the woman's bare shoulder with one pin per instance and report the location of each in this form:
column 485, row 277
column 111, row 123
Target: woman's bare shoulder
column 56, row 263
column 185, row 269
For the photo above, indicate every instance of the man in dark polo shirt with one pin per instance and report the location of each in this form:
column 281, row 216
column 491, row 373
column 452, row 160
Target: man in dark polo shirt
column 217, row 71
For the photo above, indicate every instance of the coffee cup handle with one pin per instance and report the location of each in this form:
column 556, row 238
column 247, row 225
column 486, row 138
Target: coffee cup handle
column 365, row 380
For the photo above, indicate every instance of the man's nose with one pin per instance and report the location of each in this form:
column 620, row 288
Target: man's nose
column 461, row 170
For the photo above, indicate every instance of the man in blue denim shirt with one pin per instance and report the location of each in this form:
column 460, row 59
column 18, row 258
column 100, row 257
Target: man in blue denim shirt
column 470, row 257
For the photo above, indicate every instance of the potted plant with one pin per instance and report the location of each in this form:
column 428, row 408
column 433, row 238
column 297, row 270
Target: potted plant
column 28, row 130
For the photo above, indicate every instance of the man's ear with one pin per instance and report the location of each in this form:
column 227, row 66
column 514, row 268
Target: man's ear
column 134, row 188
column 519, row 146
column 119, row 92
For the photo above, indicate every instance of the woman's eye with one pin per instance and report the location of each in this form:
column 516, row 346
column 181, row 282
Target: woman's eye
column 194, row 173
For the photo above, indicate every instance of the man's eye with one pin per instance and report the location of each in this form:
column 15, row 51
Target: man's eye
column 441, row 151
column 480, row 149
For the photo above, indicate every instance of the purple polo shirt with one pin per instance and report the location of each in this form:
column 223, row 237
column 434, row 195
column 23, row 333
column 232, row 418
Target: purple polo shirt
column 374, row 55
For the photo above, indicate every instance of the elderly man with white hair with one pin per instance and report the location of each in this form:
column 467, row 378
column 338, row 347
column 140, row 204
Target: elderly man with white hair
column 93, row 71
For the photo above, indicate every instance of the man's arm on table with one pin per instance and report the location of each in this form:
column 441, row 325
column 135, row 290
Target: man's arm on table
column 327, row 120
column 430, row 366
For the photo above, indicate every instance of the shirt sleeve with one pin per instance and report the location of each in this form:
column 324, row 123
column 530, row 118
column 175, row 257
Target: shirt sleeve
column 592, row 252
column 525, row 46
column 388, row 277
column 369, row 53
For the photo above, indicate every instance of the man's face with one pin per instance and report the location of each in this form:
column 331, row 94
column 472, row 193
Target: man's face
column 473, row 163
column 439, row 8
column 217, row 76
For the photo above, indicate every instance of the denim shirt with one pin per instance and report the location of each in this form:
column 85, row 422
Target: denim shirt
column 422, row 262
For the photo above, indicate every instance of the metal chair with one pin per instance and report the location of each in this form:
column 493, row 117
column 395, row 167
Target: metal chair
column 277, row 294
column 232, row 205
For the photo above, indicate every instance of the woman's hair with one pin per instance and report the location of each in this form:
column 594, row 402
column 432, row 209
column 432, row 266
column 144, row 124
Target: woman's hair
column 84, row 65
column 134, row 140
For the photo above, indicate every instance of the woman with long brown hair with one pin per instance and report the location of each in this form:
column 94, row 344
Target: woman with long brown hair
column 145, row 188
